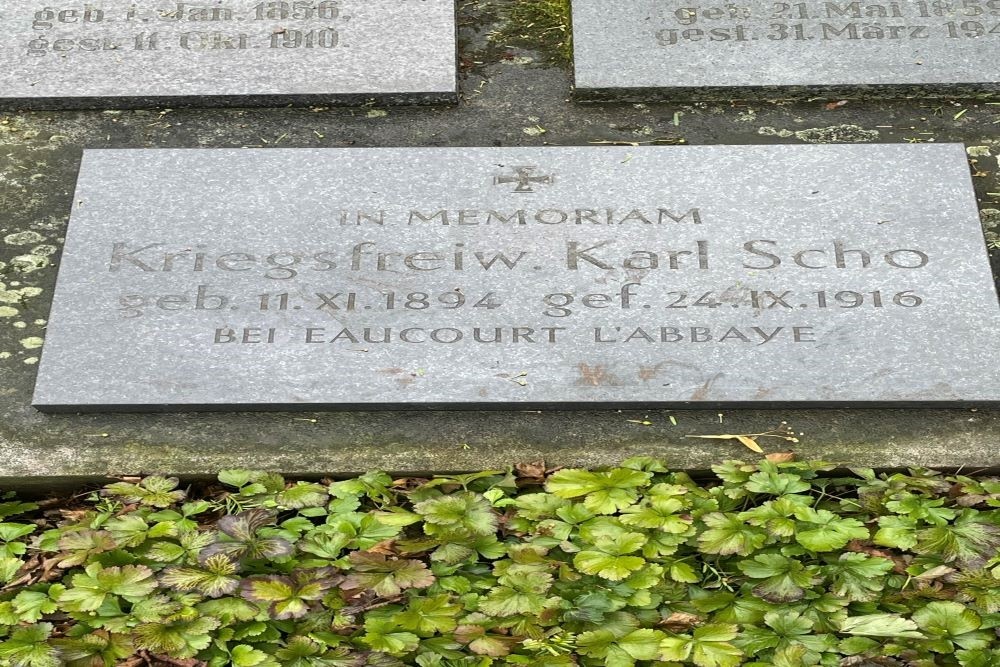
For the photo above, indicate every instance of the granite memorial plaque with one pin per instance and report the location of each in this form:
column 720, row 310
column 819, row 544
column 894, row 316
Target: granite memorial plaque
column 640, row 49
column 461, row 277
column 120, row 53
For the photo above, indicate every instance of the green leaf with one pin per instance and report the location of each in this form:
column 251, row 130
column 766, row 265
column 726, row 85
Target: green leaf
column 881, row 625
column 14, row 508
column 605, row 492
column 684, row 573
column 826, row 531
column 385, row 577
column 326, row 541
column 229, row 610
column 708, row 647
column 777, row 516
column 98, row 648
column 896, row 531
column 9, row 567
column 728, row 534
column 771, row 481
column 245, row 540
column 165, row 552
column 91, row 589
column 154, row 491
column 30, row 606
column 463, row 512
column 716, row 633
column 215, row 579
column 396, row 517
column 290, row 596
column 606, row 566
column 573, row 483
column 971, row 541
column 621, row 649
column 79, row 546
column 15, row 531
column 978, row 658
column 536, row 506
column 647, row 463
column 946, row 619
column 734, row 473
column 430, row 615
column 788, row 623
column 661, row 514
column 379, row 636
column 181, row 637
column 238, row 477
column 28, row 647
column 303, row 494
column 509, row 601
column 784, row 579
column 128, row 531
column 793, row 655
column 303, row 652
column 920, row 508
column 858, row 577
column 643, row 644
column 243, row 655
column 858, row 645
column 482, row 644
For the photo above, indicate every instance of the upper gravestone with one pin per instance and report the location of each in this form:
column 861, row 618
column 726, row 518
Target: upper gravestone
column 542, row 276
column 642, row 49
column 119, row 53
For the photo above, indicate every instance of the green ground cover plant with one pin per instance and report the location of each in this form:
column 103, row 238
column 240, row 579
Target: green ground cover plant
column 781, row 564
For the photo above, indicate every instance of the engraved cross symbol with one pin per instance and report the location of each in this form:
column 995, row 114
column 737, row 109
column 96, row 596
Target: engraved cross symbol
column 524, row 179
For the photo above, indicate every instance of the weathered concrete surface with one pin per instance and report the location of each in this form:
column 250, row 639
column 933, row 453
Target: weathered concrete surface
column 510, row 97
column 245, row 54
column 666, row 49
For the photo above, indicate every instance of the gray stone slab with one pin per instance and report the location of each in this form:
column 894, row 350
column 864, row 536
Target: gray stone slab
column 120, row 53
column 465, row 277
column 641, row 49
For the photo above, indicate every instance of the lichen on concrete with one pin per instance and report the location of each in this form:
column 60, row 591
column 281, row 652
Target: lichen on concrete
column 837, row 134
column 23, row 238
column 31, row 342
column 990, row 217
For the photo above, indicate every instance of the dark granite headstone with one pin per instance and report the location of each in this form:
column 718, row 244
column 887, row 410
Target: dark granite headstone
column 459, row 277
column 120, row 53
column 642, row 49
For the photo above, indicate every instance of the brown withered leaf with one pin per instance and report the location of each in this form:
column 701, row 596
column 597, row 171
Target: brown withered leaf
column 74, row 516
column 148, row 659
column 899, row 563
column 159, row 660
column 680, row 621
column 408, row 483
column 530, row 473
column 781, row 457
column 861, row 661
column 36, row 570
column 482, row 643
column 386, row 548
column 971, row 500
column 935, row 573
column 367, row 600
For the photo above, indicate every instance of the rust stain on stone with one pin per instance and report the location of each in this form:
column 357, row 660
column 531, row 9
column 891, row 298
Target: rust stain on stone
column 595, row 376
column 701, row 393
